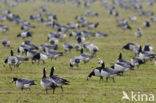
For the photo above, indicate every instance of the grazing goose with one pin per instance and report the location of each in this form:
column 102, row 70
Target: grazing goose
column 46, row 47
column 54, row 54
column 39, row 56
column 25, row 34
column 23, row 83
column 131, row 46
column 67, row 47
column 73, row 25
column 138, row 33
column 124, row 26
column 47, row 83
column 99, row 34
column 6, row 42
column 85, row 57
column 136, row 61
column 90, row 25
column 91, row 13
column 30, row 44
column 58, row 80
column 75, row 61
column 108, row 72
column 133, row 18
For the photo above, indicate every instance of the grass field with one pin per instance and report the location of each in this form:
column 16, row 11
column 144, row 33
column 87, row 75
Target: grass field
column 79, row 90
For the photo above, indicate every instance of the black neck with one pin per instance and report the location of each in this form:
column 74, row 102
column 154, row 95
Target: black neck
column 44, row 73
column 12, row 53
column 52, row 72
column 120, row 56
column 103, row 65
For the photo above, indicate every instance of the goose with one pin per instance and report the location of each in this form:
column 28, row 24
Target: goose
column 42, row 9
column 99, row 34
column 138, row 33
column 78, row 47
column 136, row 61
column 108, row 72
column 132, row 18
column 54, row 54
column 46, row 47
column 30, row 44
column 58, row 80
column 80, row 39
column 90, row 25
column 148, row 48
column 3, row 28
column 24, row 34
column 73, row 25
column 147, row 24
column 132, row 47
column 39, row 56
column 85, row 57
column 103, row 72
column 51, row 16
column 91, row 13
column 74, row 61
column 67, row 46
column 124, row 62
column 47, row 83
column 11, row 60
column 6, row 42
column 23, row 83
column 93, row 49
column 14, row 60
column 144, row 55
column 27, row 27
column 124, row 26
column 53, row 41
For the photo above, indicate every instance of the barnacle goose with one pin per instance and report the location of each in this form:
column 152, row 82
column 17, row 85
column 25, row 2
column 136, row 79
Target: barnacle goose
column 85, row 57
column 47, row 83
column 75, row 61
column 58, row 80
column 6, row 42
column 23, row 83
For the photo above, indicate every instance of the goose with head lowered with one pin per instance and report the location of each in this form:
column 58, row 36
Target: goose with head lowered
column 23, row 83
column 58, row 80
column 47, row 83
column 74, row 61
column 104, row 72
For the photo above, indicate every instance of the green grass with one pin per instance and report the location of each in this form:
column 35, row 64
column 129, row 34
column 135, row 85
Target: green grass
column 80, row 90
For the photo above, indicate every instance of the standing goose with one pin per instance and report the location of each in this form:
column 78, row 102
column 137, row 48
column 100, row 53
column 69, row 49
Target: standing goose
column 124, row 62
column 11, row 60
column 136, row 61
column 138, row 33
column 58, row 80
column 47, row 83
column 144, row 55
column 23, row 83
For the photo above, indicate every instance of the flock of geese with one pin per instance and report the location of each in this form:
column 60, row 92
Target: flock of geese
column 29, row 51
